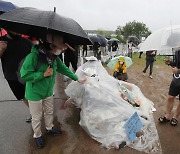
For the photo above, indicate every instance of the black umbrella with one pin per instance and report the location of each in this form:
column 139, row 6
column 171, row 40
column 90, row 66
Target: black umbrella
column 94, row 38
column 34, row 22
column 6, row 6
column 133, row 39
column 102, row 40
column 112, row 40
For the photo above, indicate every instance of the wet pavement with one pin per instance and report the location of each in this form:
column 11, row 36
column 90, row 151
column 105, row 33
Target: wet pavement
column 16, row 134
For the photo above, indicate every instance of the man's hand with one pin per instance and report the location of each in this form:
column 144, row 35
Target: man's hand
column 82, row 80
column 48, row 72
column 153, row 53
column 175, row 70
column 167, row 62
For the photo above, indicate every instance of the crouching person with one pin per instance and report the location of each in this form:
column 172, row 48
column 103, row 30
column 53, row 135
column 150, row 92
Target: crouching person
column 120, row 70
column 39, row 71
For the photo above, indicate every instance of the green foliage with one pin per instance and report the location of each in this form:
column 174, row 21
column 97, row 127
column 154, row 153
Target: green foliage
column 104, row 33
column 134, row 28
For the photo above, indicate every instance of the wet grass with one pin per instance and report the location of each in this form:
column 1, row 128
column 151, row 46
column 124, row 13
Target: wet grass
column 135, row 57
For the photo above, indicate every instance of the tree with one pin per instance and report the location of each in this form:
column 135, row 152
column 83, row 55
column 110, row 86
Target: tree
column 134, row 28
column 104, row 33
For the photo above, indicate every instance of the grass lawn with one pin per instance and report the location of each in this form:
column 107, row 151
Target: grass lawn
column 135, row 57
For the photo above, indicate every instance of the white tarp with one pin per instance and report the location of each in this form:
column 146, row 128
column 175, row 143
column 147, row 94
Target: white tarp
column 105, row 110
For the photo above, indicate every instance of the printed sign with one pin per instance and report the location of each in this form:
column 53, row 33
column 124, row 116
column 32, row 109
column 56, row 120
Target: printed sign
column 132, row 126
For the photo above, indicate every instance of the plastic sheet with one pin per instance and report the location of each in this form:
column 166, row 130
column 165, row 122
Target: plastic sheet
column 105, row 109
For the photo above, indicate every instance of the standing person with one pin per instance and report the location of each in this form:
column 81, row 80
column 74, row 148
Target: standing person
column 84, row 50
column 174, row 90
column 130, row 49
column 17, row 49
column 130, row 45
column 96, row 46
column 140, row 54
column 109, row 49
column 71, row 56
column 40, row 83
column 114, row 46
column 103, row 50
column 150, row 58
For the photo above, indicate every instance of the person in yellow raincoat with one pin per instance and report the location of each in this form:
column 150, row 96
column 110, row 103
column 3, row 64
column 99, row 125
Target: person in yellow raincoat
column 120, row 70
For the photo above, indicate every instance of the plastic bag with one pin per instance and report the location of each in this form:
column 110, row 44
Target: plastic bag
column 104, row 111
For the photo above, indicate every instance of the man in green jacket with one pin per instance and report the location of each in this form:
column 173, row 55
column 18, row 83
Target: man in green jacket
column 40, row 82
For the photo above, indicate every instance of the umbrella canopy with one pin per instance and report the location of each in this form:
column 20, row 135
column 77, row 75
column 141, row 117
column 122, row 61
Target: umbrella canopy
column 34, row 22
column 133, row 39
column 113, row 62
column 112, row 40
column 6, row 6
column 163, row 40
column 103, row 40
column 94, row 38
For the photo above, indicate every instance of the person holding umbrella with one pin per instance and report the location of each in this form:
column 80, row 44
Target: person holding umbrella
column 174, row 90
column 96, row 51
column 40, row 83
column 150, row 58
column 37, row 23
column 84, row 50
column 120, row 70
column 114, row 46
column 130, row 46
column 71, row 56
column 17, row 48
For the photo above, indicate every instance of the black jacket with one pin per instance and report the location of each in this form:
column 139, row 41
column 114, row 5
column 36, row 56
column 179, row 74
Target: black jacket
column 176, row 62
column 16, row 50
column 149, row 56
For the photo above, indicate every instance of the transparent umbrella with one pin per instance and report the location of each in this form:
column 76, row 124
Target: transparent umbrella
column 113, row 61
column 163, row 40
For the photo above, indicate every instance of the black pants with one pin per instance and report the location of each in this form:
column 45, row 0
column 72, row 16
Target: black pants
column 120, row 76
column 95, row 53
column 71, row 58
column 85, row 52
column 130, row 54
column 149, row 63
column 140, row 54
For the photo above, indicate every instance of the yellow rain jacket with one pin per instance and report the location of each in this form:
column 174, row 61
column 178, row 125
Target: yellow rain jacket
column 119, row 66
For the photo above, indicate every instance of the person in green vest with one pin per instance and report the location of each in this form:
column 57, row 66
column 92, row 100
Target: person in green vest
column 40, row 81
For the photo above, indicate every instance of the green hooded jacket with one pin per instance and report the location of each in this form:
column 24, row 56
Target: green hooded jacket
column 37, row 86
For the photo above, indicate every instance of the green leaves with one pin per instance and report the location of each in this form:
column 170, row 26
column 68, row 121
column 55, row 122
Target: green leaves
column 134, row 28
